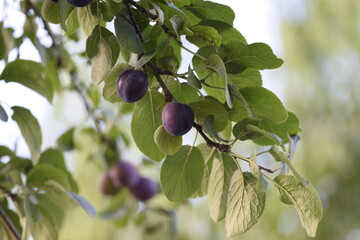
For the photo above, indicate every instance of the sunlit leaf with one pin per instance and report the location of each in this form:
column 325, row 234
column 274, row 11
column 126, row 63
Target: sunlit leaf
column 30, row 129
column 305, row 199
column 181, row 173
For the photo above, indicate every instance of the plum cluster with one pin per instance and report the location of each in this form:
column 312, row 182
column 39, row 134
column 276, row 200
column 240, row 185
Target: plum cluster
column 124, row 174
column 132, row 85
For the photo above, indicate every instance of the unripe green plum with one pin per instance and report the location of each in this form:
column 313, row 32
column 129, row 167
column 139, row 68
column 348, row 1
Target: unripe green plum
column 132, row 85
column 177, row 118
column 144, row 189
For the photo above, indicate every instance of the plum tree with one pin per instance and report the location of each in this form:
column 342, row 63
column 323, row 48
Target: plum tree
column 79, row 3
column 144, row 189
column 124, row 174
column 106, row 185
column 177, row 118
column 132, row 85
column 140, row 58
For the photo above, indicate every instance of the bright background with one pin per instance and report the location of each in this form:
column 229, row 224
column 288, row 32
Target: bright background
column 319, row 41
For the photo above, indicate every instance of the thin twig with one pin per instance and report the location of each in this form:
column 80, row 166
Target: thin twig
column 9, row 224
column 136, row 26
column 251, row 162
column 91, row 111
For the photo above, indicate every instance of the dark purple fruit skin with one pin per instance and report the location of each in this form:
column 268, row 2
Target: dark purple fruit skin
column 144, row 189
column 132, row 85
column 79, row 3
column 124, row 174
column 55, row 1
column 106, row 185
column 177, row 118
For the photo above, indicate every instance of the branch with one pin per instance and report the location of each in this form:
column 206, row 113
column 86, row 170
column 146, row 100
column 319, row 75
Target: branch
column 141, row 9
column 9, row 224
column 91, row 111
column 222, row 147
column 136, row 26
column 8, row 192
column 156, row 70
column 30, row 5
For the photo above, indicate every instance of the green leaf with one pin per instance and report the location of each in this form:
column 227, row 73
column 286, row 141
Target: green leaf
column 204, row 35
column 64, row 10
column 250, row 77
column 183, row 92
column 53, row 157
column 166, row 142
column 208, row 127
column 263, row 103
column 246, row 203
column 126, row 34
column 87, row 18
column 283, row 130
column 210, row 107
column 145, row 58
column 40, row 174
column 177, row 23
column 72, row 23
column 214, row 80
column 32, row 212
column 31, row 131
column 207, row 10
column 223, row 168
column 7, row 41
column 238, row 56
column 181, row 173
column 215, row 63
column 192, row 79
column 56, row 158
column 240, row 132
column 3, row 115
column 280, row 156
column 109, row 91
column 227, row 31
column 30, row 74
column 305, row 199
column 66, row 141
column 50, row 12
column 145, row 121
column 268, row 135
column 85, row 204
column 103, row 51
column 46, row 228
column 208, row 155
